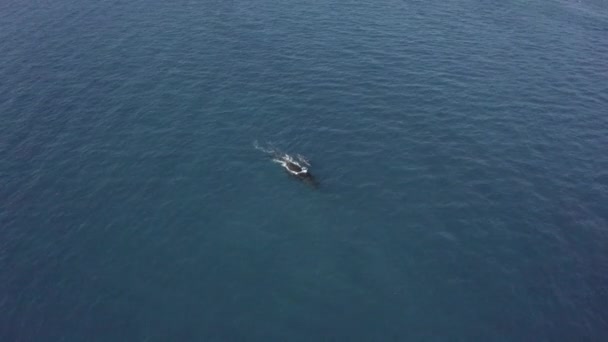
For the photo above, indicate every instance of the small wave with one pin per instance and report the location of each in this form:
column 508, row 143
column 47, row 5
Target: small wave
column 269, row 148
column 279, row 156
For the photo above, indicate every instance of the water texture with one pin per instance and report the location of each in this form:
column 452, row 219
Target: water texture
column 460, row 148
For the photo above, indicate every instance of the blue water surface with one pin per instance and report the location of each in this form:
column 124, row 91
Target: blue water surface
column 460, row 147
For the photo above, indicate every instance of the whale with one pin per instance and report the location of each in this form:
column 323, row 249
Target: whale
column 298, row 168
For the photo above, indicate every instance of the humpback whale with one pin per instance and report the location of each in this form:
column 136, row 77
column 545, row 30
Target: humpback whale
column 296, row 166
column 293, row 166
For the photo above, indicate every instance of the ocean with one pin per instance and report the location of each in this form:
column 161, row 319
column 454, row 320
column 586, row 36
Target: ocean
column 460, row 150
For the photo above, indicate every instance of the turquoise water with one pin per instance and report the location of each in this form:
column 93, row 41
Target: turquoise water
column 460, row 149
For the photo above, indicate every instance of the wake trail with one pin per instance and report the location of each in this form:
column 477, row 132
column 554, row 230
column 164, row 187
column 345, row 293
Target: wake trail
column 279, row 156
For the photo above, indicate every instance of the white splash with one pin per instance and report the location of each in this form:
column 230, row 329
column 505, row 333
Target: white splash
column 297, row 165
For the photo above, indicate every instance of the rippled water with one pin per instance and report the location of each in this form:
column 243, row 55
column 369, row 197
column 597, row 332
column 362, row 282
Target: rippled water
column 460, row 148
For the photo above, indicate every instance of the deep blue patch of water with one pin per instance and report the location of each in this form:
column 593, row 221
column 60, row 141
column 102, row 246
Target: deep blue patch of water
column 460, row 148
